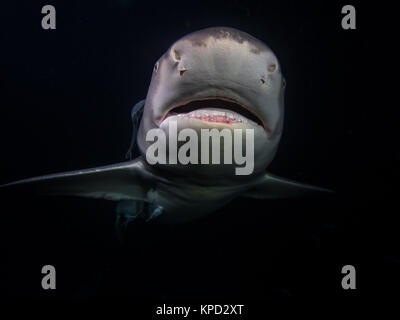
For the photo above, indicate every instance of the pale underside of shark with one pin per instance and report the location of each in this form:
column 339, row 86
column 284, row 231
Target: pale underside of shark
column 216, row 69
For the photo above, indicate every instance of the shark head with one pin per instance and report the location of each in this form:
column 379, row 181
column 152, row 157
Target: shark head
column 217, row 78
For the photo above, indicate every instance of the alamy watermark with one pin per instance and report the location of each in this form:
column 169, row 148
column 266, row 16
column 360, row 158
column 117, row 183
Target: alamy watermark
column 49, row 20
column 349, row 280
column 349, row 20
column 49, row 280
column 188, row 153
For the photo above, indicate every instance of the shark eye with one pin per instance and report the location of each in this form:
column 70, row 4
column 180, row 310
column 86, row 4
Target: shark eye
column 177, row 55
column 156, row 67
column 272, row 67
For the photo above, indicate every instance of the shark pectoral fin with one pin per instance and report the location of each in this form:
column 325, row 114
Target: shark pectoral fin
column 136, row 116
column 126, row 180
column 273, row 187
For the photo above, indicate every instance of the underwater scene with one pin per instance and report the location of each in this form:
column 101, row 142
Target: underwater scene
column 194, row 159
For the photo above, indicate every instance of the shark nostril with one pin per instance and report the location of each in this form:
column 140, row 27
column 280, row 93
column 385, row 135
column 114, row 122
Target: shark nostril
column 272, row 67
column 265, row 80
column 182, row 71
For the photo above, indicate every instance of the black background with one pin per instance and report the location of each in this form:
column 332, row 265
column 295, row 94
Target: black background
column 66, row 96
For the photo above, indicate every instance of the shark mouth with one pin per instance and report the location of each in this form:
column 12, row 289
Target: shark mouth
column 221, row 110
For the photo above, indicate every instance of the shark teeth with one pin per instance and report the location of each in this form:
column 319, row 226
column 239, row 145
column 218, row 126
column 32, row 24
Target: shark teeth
column 213, row 116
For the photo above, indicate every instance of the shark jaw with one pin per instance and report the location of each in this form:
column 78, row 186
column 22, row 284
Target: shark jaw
column 216, row 110
column 218, row 116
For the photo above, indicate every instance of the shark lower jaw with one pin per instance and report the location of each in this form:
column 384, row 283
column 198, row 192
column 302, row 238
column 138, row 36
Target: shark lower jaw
column 216, row 112
column 212, row 115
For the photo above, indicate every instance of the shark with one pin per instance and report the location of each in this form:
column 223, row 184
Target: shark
column 215, row 78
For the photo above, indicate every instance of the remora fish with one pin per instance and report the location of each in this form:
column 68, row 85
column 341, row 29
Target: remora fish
column 219, row 70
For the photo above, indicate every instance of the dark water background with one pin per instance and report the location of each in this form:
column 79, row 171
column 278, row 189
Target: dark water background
column 65, row 101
